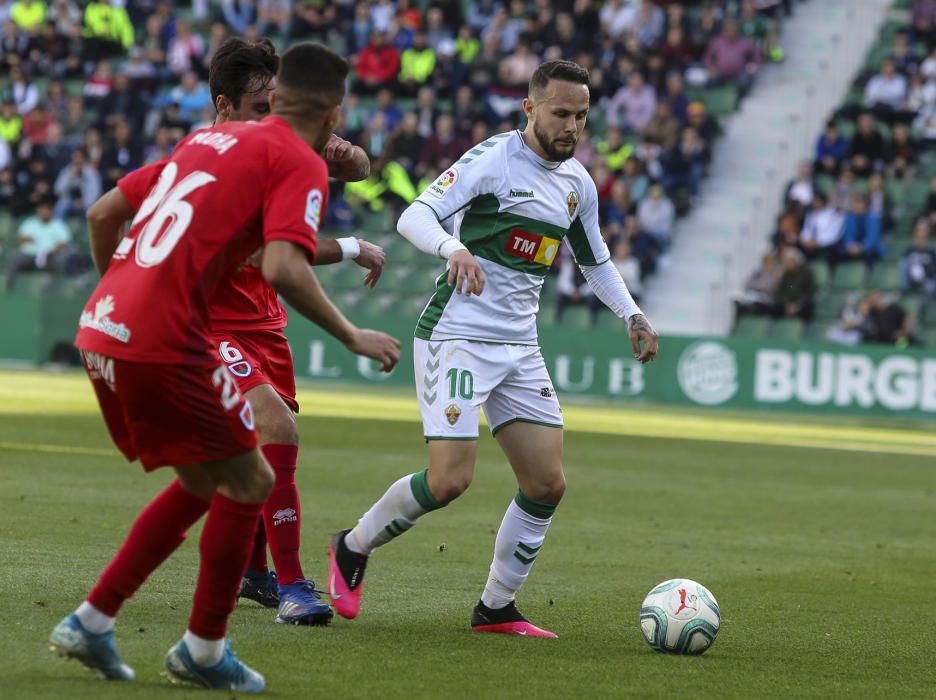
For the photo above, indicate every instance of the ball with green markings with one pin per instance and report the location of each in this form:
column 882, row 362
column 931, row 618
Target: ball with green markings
column 680, row 616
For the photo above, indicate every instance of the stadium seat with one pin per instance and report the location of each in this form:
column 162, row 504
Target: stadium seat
column 790, row 329
column 911, row 304
column 820, row 270
column 721, row 100
column 576, row 317
column 752, row 327
column 831, row 302
column 849, row 275
column 885, row 277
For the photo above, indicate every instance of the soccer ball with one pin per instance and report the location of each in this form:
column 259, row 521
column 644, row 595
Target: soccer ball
column 680, row 616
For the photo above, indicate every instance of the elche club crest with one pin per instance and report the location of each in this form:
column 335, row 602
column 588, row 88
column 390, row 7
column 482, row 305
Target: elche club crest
column 452, row 414
column 572, row 203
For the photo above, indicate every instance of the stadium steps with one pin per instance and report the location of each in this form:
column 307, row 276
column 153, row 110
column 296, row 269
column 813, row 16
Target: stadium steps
column 720, row 241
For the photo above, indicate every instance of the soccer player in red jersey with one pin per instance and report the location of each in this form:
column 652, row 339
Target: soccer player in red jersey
column 145, row 340
column 247, row 329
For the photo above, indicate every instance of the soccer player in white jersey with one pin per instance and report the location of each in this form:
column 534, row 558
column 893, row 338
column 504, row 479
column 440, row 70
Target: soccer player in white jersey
column 511, row 201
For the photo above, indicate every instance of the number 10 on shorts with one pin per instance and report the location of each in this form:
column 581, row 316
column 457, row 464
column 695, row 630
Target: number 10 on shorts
column 461, row 384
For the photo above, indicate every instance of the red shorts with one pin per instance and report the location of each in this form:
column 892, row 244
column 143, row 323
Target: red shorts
column 171, row 414
column 259, row 357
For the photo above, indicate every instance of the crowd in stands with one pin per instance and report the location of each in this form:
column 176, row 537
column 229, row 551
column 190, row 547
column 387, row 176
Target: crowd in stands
column 91, row 91
column 855, row 215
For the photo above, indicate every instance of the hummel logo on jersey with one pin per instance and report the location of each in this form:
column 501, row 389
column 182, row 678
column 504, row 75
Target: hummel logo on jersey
column 284, row 515
column 532, row 246
column 524, row 194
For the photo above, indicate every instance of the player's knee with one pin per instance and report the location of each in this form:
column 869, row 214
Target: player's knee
column 262, row 482
column 548, row 490
column 452, row 486
column 278, row 428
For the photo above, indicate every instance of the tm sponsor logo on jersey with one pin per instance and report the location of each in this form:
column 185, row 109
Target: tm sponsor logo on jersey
column 532, row 246
column 444, row 183
column 99, row 321
column 284, row 515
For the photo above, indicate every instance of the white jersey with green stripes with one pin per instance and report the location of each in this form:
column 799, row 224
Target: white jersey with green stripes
column 511, row 209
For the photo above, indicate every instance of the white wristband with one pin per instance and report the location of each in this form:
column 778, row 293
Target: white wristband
column 350, row 247
column 449, row 247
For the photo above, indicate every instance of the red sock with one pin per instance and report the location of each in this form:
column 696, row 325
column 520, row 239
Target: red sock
column 156, row 533
column 258, row 559
column 225, row 546
column 281, row 513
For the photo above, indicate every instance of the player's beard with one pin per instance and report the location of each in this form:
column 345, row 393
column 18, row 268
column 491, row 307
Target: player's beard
column 549, row 146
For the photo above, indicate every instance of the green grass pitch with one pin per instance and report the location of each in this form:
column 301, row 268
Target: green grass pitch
column 823, row 560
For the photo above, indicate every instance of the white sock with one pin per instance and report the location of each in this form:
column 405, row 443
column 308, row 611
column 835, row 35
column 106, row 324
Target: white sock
column 205, row 652
column 518, row 541
column 391, row 516
column 93, row 619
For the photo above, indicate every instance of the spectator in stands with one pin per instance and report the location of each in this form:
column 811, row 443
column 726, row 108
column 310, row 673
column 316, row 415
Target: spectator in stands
column 185, row 51
column 571, row 284
column 28, row 15
column 613, row 149
column 705, row 124
column 466, row 114
column 664, row 128
column 43, row 243
column 886, row 321
column 566, row 36
column 918, row 264
column 848, row 330
column 437, row 31
column 376, row 65
column 676, row 50
column 831, row 149
column 760, row 289
column 125, row 103
column 902, row 153
column 929, row 206
column 426, row 111
column 731, row 57
column 886, row 92
column 656, row 214
column 905, row 59
column 192, row 96
column 23, row 92
column 273, row 16
column 675, row 95
column 406, row 144
column 632, row 106
column 33, row 186
column 628, row 267
column 649, row 24
column 634, row 178
column 796, row 290
column 923, row 21
column 643, row 246
column 862, row 237
column 108, row 30
column 416, row 65
column 442, row 148
column 822, row 229
column 99, row 85
column 480, row 14
column 867, row 149
column 77, row 186
column 517, row 68
column 161, row 147
column 879, row 203
column 802, row 187
column 449, row 73
column 787, row 234
column 36, row 127
column 684, row 164
column 122, row 154
column 619, row 203
column 6, row 157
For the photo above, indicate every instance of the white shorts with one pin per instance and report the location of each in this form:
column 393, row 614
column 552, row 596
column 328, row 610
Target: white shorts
column 456, row 378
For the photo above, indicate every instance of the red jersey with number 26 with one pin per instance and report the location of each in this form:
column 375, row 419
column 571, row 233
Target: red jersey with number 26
column 225, row 192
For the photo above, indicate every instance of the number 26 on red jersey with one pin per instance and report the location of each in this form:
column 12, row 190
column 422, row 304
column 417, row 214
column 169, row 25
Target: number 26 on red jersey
column 169, row 216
